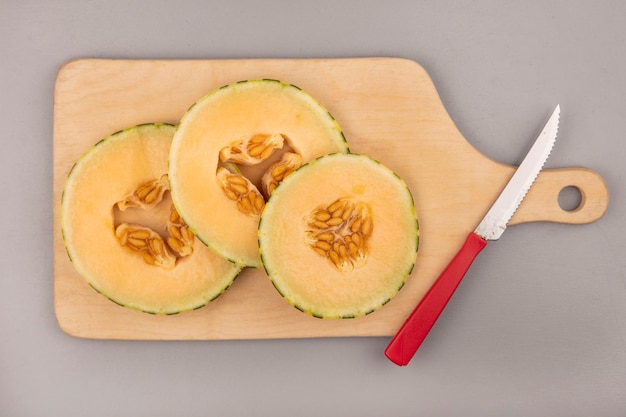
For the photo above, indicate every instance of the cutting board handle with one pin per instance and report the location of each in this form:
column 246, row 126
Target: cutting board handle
column 542, row 201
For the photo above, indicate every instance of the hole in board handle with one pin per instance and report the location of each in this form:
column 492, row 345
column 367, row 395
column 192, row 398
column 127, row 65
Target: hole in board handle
column 570, row 198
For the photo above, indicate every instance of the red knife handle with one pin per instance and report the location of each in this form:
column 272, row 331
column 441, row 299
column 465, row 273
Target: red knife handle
column 415, row 329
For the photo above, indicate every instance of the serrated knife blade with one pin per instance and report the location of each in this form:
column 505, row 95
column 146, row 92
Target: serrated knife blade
column 417, row 326
column 495, row 221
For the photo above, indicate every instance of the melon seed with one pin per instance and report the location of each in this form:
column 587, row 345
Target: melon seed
column 334, row 221
column 175, row 244
column 327, row 237
column 322, row 215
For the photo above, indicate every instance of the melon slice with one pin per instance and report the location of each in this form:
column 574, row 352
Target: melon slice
column 266, row 128
column 339, row 236
column 123, row 235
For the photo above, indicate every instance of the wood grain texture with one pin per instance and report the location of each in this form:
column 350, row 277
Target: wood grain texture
column 388, row 108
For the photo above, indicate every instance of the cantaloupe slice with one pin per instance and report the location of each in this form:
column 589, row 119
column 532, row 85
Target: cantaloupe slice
column 266, row 128
column 123, row 235
column 339, row 236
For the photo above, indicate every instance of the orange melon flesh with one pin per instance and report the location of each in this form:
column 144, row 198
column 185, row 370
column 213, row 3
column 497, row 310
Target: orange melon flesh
column 106, row 174
column 309, row 281
column 236, row 111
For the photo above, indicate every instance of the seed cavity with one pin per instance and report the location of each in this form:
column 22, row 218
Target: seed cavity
column 254, row 150
column 163, row 251
column 340, row 231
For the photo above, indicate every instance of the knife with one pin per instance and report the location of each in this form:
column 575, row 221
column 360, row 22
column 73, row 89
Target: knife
column 416, row 327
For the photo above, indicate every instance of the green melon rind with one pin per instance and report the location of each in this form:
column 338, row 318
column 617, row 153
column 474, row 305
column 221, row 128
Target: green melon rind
column 406, row 274
column 198, row 306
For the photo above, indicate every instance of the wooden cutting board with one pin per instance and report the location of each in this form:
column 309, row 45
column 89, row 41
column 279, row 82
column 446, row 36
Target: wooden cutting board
column 388, row 108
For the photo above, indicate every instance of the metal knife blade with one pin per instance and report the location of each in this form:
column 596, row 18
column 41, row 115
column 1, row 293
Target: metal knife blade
column 495, row 221
column 417, row 326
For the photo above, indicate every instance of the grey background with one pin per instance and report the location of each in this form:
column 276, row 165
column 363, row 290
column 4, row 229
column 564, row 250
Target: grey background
column 538, row 327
